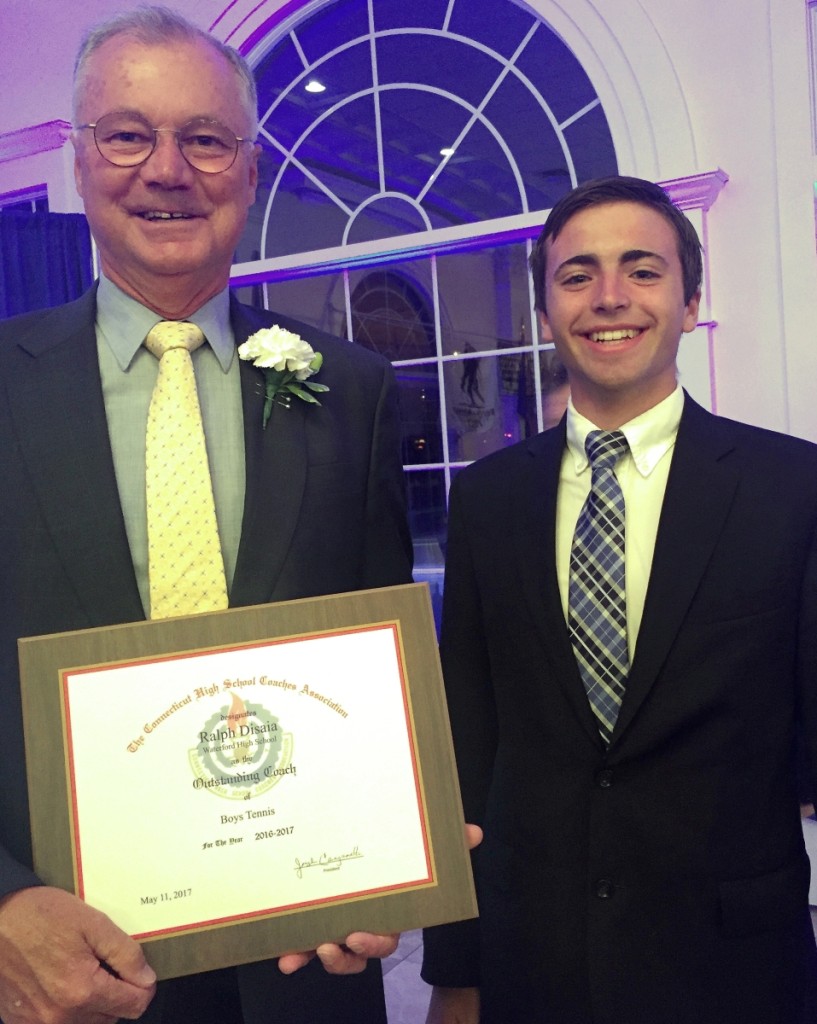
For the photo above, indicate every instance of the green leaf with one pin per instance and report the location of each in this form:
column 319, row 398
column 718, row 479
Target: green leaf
column 274, row 381
column 296, row 389
column 315, row 387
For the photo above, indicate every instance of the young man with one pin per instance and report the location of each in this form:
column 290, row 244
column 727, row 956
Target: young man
column 643, row 859
column 166, row 164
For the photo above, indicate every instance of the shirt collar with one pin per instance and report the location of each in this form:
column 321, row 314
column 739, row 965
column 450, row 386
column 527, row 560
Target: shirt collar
column 124, row 323
column 649, row 435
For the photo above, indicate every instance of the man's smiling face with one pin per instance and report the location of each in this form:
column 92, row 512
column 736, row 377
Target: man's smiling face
column 615, row 309
column 163, row 227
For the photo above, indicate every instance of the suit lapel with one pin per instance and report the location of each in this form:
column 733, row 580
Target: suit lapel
column 700, row 489
column 57, row 405
column 276, row 477
column 73, row 475
column 538, row 578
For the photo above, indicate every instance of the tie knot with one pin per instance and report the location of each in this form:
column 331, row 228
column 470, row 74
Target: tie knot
column 168, row 334
column 605, row 447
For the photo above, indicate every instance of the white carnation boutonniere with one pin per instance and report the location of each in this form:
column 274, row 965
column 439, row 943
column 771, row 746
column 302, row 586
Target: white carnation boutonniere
column 287, row 362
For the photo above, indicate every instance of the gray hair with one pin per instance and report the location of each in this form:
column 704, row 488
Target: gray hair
column 153, row 25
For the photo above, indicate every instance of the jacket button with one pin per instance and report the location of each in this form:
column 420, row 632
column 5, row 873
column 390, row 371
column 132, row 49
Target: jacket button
column 604, row 888
column 605, row 778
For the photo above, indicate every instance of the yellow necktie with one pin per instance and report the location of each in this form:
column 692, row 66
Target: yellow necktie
column 185, row 566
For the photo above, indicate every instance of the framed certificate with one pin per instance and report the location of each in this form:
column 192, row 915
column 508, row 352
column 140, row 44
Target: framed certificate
column 231, row 786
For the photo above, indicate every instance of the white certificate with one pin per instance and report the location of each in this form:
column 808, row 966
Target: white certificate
column 244, row 782
column 241, row 775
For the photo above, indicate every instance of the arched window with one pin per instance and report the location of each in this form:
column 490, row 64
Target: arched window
column 381, row 118
column 410, row 153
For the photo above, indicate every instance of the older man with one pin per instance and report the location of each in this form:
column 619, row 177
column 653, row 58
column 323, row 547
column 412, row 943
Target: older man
column 311, row 504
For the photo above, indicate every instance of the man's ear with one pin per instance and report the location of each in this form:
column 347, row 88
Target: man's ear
column 691, row 313
column 77, row 165
column 255, row 156
column 544, row 326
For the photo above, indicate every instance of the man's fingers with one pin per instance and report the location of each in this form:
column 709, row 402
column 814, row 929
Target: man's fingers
column 122, row 954
column 473, row 836
column 354, row 954
column 118, row 998
column 292, row 962
column 340, row 960
column 51, row 945
column 371, row 946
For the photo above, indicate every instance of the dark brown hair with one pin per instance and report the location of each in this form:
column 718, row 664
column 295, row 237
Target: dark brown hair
column 620, row 189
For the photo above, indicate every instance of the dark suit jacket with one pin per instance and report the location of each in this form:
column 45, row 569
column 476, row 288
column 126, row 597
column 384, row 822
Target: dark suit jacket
column 662, row 881
column 324, row 513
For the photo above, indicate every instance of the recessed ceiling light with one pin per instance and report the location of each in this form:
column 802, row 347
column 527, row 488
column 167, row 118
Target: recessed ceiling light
column 313, row 85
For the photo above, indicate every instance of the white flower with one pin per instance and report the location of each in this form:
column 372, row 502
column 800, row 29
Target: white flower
column 277, row 349
column 286, row 361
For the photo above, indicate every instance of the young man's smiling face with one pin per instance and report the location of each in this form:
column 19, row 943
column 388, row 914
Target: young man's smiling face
column 615, row 309
column 165, row 229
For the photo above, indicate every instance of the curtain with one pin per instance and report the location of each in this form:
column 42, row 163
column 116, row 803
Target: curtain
column 45, row 259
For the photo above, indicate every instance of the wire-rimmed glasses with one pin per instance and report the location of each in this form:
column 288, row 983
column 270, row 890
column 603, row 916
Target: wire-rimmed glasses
column 126, row 139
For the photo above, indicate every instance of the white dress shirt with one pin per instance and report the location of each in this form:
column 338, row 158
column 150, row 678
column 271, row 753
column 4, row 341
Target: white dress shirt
column 642, row 473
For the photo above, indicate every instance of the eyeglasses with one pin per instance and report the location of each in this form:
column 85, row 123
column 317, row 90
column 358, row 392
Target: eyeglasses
column 126, row 139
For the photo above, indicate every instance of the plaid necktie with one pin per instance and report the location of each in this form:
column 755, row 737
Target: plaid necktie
column 597, row 615
column 185, row 565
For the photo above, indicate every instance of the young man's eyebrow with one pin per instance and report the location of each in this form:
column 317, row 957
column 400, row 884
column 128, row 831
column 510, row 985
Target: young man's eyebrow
column 580, row 260
column 634, row 255
column 587, row 259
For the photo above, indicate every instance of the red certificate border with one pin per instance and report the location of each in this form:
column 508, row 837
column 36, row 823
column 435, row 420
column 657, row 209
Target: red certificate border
column 69, row 676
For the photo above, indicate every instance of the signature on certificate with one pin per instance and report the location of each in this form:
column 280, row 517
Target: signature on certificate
column 326, row 862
